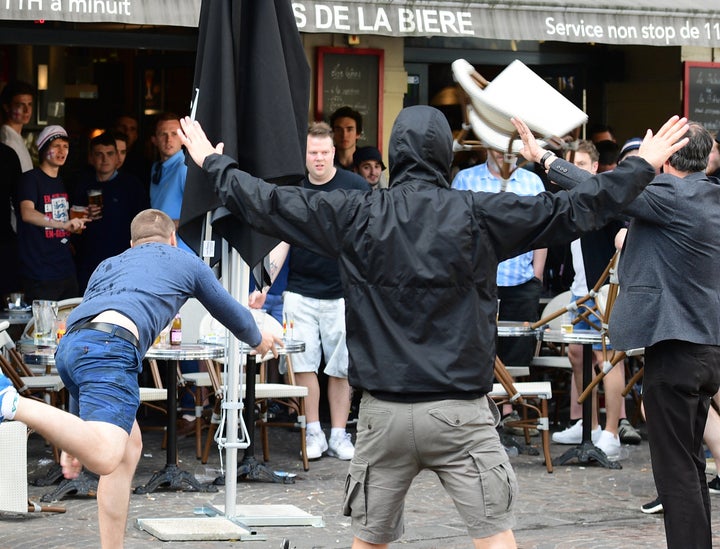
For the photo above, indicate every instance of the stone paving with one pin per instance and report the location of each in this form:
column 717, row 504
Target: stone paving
column 575, row 507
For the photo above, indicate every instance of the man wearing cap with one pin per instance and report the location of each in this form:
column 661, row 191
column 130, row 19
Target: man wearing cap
column 630, row 148
column 368, row 163
column 46, row 264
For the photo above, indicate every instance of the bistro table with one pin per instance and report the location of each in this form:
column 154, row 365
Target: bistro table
column 250, row 468
column 586, row 450
column 171, row 476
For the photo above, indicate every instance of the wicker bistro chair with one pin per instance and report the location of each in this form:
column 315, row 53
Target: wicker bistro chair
column 286, row 394
column 533, row 397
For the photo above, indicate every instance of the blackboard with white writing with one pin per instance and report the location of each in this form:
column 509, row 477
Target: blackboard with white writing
column 701, row 94
column 352, row 77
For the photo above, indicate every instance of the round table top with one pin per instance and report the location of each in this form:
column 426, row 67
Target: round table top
column 576, row 336
column 186, row 351
column 291, row 346
column 509, row 328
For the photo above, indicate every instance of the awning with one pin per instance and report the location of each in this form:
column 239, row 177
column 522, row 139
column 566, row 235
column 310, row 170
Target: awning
column 642, row 22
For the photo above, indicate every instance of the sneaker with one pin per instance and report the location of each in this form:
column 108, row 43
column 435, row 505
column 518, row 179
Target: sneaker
column 315, row 444
column 609, row 443
column 714, row 485
column 519, row 431
column 341, row 447
column 627, row 433
column 573, row 434
column 652, row 507
column 7, row 391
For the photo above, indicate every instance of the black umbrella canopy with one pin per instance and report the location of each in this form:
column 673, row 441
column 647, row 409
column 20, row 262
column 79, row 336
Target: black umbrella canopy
column 252, row 87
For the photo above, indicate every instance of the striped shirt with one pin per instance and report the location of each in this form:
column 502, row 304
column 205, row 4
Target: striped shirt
column 519, row 269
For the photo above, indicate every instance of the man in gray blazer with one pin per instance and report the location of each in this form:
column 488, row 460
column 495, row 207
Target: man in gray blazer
column 669, row 303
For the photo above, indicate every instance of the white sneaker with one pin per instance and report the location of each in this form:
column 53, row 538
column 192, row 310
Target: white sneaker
column 315, row 444
column 341, row 447
column 610, row 444
column 573, row 434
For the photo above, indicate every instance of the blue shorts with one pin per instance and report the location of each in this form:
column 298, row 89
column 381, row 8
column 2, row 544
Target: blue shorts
column 583, row 325
column 100, row 372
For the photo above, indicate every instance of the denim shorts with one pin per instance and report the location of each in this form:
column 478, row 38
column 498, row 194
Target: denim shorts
column 100, row 372
column 320, row 323
column 456, row 439
column 583, row 325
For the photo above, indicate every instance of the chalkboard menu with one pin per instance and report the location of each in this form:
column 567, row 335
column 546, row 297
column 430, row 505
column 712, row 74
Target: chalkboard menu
column 701, row 97
column 352, row 77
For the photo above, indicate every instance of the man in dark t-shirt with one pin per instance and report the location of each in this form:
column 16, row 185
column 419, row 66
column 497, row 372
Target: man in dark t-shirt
column 314, row 301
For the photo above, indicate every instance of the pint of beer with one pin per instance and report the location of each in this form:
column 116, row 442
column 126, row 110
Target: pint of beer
column 95, row 203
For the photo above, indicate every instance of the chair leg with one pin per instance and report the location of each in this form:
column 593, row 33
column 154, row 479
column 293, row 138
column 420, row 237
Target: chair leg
column 546, row 436
column 208, row 442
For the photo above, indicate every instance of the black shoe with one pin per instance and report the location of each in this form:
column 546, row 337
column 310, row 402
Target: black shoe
column 652, row 507
column 627, row 433
column 714, row 485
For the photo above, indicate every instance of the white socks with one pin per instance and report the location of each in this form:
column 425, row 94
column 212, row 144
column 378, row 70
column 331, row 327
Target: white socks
column 314, row 427
column 336, row 432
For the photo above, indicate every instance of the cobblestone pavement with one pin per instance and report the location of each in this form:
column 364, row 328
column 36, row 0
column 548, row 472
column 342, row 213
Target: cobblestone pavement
column 575, row 507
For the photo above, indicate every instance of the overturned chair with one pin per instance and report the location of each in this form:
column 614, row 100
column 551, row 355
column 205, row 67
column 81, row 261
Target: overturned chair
column 516, row 92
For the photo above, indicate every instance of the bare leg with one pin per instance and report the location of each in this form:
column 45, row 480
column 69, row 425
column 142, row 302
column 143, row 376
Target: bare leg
column 98, row 446
column 503, row 540
column 312, row 400
column 711, row 435
column 575, row 355
column 360, row 544
column 614, row 383
column 339, row 399
column 113, row 494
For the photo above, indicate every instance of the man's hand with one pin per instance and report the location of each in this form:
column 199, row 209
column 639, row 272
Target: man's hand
column 256, row 299
column 656, row 149
column 268, row 343
column 196, row 142
column 531, row 151
column 71, row 467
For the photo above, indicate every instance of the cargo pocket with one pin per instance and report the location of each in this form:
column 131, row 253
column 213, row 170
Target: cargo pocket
column 456, row 414
column 497, row 480
column 355, row 502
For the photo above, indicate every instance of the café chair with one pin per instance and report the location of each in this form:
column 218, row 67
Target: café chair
column 288, row 395
column 516, row 92
column 532, row 397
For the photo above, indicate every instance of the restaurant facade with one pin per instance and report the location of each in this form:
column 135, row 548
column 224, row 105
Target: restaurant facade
column 622, row 61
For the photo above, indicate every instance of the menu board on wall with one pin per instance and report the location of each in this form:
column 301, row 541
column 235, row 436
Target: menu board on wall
column 701, row 94
column 352, row 77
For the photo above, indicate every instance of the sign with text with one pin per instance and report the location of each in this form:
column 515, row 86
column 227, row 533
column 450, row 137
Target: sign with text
column 701, row 94
column 625, row 22
column 352, row 77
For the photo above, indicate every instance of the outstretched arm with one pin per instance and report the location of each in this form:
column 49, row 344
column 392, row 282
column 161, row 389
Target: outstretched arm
column 196, row 142
column 655, row 148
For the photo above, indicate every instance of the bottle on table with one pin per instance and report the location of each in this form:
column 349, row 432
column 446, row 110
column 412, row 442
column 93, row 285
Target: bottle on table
column 176, row 331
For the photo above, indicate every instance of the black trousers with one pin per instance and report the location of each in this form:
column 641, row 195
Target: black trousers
column 680, row 379
column 518, row 303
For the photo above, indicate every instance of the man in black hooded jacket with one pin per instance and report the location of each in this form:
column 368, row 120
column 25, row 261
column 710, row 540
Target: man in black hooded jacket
column 418, row 264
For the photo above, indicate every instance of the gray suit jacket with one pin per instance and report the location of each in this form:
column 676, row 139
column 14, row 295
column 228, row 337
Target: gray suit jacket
column 670, row 266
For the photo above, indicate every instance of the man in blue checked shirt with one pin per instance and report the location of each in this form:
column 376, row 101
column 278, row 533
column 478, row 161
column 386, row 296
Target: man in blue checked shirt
column 519, row 279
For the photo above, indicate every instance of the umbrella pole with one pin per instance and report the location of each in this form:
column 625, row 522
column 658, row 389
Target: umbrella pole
column 238, row 278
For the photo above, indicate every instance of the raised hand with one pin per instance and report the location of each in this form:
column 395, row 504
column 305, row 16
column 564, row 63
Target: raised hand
column 196, row 142
column 656, row 149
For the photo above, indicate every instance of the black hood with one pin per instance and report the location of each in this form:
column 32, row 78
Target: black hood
column 420, row 147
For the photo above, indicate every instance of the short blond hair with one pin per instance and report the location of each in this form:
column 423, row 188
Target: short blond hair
column 151, row 225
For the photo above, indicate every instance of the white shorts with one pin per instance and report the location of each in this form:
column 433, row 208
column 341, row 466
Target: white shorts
column 320, row 323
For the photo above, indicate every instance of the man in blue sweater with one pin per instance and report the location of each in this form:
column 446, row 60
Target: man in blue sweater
column 130, row 298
